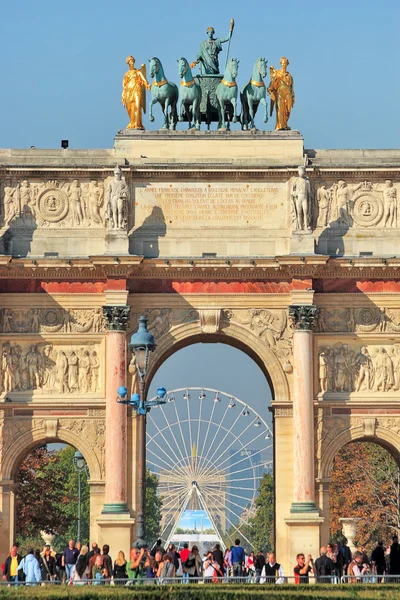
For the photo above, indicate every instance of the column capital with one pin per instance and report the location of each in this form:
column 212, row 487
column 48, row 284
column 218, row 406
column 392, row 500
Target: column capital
column 303, row 316
column 116, row 317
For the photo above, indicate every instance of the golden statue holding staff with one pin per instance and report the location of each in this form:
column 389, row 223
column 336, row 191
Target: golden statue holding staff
column 282, row 94
column 134, row 87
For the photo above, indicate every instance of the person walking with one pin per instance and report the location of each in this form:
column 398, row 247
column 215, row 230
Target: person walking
column 238, row 559
column 378, row 561
column 119, row 571
column 48, row 565
column 31, row 568
column 168, row 569
column 259, row 564
column 194, row 564
column 11, row 565
column 394, row 568
column 107, row 561
column 80, row 574
column 324, row 567
column 184, row 556
column 272, row 571
column 70, row 556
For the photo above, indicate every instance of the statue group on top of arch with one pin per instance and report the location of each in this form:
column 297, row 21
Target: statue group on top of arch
column 371, row 368
column 49, row 369
column 210, row 96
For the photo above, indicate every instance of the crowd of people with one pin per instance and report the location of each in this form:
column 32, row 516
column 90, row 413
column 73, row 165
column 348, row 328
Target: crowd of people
column 78, row 565
column 337, row 564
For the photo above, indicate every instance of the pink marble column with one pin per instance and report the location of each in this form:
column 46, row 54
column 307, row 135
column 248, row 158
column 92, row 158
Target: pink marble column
column 116, row 414
column 303, row 410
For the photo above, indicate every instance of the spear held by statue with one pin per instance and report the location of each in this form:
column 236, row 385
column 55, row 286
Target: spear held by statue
column 231, row 28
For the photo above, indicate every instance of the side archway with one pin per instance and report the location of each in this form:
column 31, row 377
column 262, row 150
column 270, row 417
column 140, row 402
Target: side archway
column 29, row 440
column 233, row 335
column 387, row 438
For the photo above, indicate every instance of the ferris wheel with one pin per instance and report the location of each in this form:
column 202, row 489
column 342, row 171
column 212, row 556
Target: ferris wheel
column 209, row 451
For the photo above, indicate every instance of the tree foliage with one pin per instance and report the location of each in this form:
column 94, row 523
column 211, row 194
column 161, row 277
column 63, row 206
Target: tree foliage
column 153, row 508
column 47, row 497
column 365, row 485
column 260, row 528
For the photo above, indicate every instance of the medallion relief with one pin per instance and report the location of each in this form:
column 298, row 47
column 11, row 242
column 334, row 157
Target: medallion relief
column 362, row 205
column 54, row 204
column 363, row 320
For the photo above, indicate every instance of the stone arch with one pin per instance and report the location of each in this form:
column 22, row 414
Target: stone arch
column 35, row 437
column 382, row 436
column 233, row 334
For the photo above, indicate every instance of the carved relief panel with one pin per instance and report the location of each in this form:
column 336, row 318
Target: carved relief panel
column 344, row 368
column 47, row 368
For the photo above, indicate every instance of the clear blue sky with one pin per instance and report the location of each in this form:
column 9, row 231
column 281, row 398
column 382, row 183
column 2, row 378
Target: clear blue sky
column 63, row 62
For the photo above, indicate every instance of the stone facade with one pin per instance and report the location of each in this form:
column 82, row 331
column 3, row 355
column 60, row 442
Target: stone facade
column 203, row 236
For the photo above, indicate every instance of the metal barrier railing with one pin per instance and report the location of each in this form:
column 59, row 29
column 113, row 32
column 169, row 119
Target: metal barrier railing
column 370, row 578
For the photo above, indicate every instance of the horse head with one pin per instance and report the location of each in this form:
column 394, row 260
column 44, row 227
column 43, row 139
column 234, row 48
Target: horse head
column 154, row 66
column 183, row 66
column 233, row 66
column 261, row 66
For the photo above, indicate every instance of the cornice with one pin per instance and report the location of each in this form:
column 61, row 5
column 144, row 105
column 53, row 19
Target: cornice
column 137, row 173
column 136, row 267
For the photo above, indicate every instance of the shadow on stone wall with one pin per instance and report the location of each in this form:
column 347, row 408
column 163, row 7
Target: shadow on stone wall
column 331, row 239
column 144, row 240
column 16, row 237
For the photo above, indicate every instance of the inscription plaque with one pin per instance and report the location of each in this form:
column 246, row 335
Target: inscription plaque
column 216, row 205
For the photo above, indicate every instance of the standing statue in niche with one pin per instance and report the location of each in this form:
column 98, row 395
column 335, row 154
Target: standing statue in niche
column 117, row 201
column 282, row 94
column 207, row 57
column 134, row 87
column 301, row 201
column 323, row 201
column 390, row 205
column 33, row 363
column 323, row 372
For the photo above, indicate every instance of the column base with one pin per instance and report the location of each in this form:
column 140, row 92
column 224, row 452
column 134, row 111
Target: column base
column 117, row 508
column 116, row 531
column 304, row 507
column 303, row 536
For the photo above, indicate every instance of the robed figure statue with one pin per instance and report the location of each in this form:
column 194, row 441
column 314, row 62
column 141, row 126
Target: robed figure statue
column 207, row 56
column 134, row 87
column 282, row 94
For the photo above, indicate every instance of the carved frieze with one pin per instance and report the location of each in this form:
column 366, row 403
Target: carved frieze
column 363, row 320
column 361, row 205
column 53, row 204
column 350, row 368
column 51, row 320
column 159, row 321
column 49, row 369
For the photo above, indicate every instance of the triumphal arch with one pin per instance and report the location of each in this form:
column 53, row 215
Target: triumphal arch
column 215, row 236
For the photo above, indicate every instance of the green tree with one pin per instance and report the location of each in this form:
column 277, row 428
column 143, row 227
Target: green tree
column 261, row 525
column 259, row 529
column 47, row 497
column 153, row 508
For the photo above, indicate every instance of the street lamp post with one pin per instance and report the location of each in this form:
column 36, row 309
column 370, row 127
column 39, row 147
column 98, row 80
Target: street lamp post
column 141, row 344
column 80, row 467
